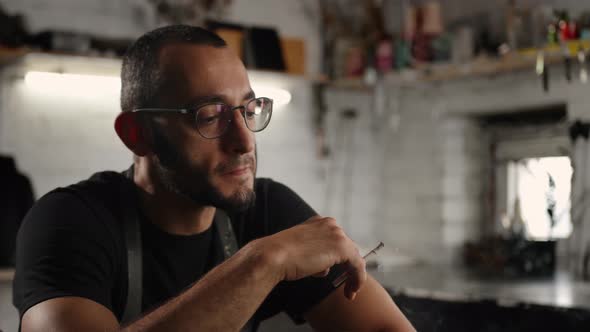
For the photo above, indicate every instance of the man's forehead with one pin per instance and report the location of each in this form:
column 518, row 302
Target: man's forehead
column 208, row 69
column 186, row 56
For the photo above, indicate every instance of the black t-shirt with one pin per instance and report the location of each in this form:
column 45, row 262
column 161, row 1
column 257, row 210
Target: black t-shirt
column 66, row 249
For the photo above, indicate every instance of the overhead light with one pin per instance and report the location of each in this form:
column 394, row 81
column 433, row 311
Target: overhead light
column 280, row 97
column 71, row 83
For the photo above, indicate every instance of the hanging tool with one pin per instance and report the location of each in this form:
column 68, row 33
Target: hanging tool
column 542, row 70
column 583, row 65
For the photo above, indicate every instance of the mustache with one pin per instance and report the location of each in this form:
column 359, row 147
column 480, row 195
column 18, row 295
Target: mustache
column 235, row 162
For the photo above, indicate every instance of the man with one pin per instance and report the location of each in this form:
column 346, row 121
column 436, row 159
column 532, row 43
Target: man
column 189, row 117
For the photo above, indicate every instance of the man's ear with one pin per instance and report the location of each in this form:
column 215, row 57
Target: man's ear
column 133, row 133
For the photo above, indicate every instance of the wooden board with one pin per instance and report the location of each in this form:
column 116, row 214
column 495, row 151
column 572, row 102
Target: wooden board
column 234, row 39
column 294, row 55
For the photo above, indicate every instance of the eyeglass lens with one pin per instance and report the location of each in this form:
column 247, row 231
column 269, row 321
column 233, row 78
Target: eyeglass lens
column 213, row 119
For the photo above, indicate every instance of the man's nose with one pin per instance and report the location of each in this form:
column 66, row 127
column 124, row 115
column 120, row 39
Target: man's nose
column 239, row 139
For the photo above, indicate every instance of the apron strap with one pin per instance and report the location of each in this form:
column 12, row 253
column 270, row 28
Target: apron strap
column 229, row 244
column 134, row 253
column 132, row 311
column 226, row 234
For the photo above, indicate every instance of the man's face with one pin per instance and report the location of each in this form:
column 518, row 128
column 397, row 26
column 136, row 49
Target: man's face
column 219, row 171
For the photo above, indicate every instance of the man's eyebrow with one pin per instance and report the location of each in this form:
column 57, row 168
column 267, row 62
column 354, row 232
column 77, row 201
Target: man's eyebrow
column 216, row 99
column 204, row 100
column 249, row 95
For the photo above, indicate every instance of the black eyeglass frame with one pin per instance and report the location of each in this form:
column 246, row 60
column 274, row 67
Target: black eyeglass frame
column 196, row 110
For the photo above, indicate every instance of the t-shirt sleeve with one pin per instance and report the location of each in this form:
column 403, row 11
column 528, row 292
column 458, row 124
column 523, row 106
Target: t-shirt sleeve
column 62, row 250
column 286, row 209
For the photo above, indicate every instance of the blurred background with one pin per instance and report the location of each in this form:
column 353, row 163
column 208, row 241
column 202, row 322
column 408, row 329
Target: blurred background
column 455, row 132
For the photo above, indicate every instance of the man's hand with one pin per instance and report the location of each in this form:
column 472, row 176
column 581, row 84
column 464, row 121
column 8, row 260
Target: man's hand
column 312, row 248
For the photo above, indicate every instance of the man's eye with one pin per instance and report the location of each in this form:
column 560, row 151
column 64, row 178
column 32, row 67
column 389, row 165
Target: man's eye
column 209, row 120
column 250, row 114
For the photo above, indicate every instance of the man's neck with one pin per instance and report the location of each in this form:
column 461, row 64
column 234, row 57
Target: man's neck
column 171, row 212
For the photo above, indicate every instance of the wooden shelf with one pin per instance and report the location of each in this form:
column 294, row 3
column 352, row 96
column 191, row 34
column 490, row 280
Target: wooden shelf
column 6, row 274
column 357, row 84
column 481, row 67
column 439, row 72
column 30, row 60
column 572, row 46
column 9, row 55
column 443, row 72
column 524, row 59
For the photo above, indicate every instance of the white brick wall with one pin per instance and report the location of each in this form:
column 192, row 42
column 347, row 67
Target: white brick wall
column 418, row 188
column 61, row 137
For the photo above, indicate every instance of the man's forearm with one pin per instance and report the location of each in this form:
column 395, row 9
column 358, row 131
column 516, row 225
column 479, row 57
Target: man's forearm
column 223, row 300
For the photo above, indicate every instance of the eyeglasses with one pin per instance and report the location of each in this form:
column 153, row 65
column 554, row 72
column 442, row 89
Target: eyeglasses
column 213, row 119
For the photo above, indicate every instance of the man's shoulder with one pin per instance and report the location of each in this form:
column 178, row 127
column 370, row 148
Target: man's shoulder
column 99, row 183
column 277, row 207
column 260, row 182
column 82, row 249
column 276, row 195
column 266, row 185
column 273, row 195
column 87, row 203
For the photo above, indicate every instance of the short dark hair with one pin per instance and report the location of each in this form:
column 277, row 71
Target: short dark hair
column 140, row 76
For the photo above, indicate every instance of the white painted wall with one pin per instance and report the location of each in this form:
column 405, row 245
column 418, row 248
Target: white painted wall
column 291, row 18
column 426, row 183
column 110, row 18
column 66, row 135
column 418, row 188
column 60, row 120
column 464, row 181
column 131, row 18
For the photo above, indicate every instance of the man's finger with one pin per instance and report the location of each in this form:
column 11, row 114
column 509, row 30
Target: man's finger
column 322, row 274
column 357, row 275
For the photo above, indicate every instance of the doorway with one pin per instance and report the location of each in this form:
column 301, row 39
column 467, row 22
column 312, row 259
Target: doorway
column 538, row 197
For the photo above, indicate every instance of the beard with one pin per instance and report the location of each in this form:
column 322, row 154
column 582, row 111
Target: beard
column 176, row 174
